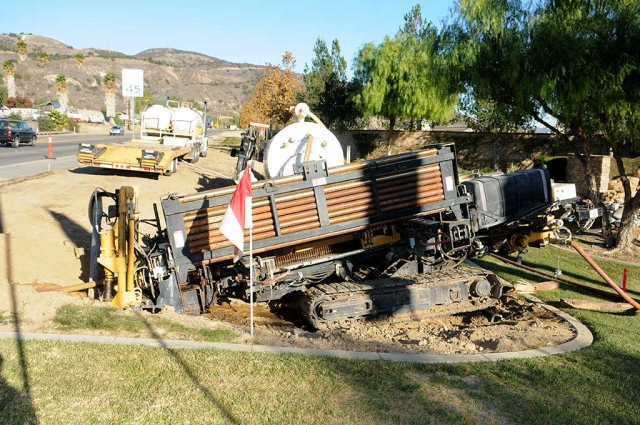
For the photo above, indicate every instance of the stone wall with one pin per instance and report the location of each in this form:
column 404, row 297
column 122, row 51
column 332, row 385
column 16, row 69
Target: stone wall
column 475, row 150
column 600, row 167
column 485, row 151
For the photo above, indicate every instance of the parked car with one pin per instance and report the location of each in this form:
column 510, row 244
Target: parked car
column 14, row 132
column 116, row 130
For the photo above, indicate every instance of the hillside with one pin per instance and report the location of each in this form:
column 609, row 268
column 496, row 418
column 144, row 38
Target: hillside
column 167, row 72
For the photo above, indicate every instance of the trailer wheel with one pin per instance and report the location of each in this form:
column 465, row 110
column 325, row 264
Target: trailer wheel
column 173, row 167
column 194, row 156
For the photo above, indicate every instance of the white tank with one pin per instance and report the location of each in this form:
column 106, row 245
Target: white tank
column 186, row 122
column 289, row 146
column 157, row 118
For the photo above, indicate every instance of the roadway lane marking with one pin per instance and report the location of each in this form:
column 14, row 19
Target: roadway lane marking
column 35, row 162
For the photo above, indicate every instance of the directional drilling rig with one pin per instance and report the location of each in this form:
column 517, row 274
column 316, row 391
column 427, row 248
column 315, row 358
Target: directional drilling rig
column 383, row 236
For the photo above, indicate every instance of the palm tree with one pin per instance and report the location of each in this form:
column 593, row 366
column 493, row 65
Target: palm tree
column 79, row 60
column 22, row 50
column 63, row 93
column 10, row 68
column 109, row 82
column 44, row 58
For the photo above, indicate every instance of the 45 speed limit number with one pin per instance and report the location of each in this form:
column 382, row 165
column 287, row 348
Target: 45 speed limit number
column 132, row 83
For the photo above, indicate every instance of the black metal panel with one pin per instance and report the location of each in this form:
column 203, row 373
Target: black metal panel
column 169, row 294
column 321, row 204
column 274, row 211
column 508, row 197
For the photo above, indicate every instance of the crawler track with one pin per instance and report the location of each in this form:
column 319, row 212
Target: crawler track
column 440, row 293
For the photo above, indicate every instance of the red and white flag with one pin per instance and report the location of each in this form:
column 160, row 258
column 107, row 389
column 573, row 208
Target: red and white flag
column 238, row 214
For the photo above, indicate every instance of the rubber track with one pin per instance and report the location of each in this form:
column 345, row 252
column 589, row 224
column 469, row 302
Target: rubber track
column 347, row 290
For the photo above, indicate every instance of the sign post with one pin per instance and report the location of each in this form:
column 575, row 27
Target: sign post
column 132, row 86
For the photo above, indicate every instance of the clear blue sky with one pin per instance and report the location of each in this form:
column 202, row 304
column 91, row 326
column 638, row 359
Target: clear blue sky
column 250, row 31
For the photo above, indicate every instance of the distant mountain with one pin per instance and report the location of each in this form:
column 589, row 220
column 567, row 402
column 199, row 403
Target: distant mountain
column 167, row 72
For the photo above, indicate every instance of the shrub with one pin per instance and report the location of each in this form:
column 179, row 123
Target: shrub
column 45, row 123
column 366, row 143
column 15, row 116
column 57, row 121
column 513, row 167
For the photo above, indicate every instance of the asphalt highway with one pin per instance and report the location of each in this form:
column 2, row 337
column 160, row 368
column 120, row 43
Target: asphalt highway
column 26, row 161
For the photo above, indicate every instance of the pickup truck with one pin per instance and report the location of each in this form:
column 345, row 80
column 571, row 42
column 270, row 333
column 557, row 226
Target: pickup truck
column 14, row 132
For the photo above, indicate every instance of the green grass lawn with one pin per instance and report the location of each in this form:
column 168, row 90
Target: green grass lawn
column 72, row 383
column 229, row 142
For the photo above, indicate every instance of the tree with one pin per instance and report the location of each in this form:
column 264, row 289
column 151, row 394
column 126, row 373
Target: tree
column 19, row 102
column 573, row 62
column 405, row 76
column 110, row 86
column 22, row 50
column 273, row 95
column 196, row 104
column 324, row 65
column 60, row 121
column 147, row 99
column 10, row 69
column 44, row 58
column 326, row 89
column 79, row 59
column 488, row 116
column 63, row 91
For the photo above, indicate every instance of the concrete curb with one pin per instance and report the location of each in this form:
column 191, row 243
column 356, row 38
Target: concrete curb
column 583, row 339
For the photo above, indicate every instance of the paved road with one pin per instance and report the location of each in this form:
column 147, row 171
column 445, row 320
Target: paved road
column 28, row 161
column 31, row 160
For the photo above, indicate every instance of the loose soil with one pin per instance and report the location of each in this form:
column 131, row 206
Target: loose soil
column 45, row 237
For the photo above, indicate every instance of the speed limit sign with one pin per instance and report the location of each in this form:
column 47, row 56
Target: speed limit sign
column 132, row 83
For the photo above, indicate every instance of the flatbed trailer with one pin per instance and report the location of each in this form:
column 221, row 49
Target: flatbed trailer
column 136, row 155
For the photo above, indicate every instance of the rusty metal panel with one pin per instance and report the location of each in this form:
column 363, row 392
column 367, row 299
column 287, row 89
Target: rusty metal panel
column 286, row 210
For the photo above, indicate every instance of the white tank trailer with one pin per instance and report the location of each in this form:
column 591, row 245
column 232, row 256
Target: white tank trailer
column 174, row 126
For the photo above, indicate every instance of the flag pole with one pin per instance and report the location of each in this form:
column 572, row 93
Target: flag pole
column 251, row 276
column 237, row 219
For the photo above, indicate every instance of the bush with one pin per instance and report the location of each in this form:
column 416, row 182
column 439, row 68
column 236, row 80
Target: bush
column 45, row 123
column 74, row 126
column 55, row 121
column 366, row 143
column 513, row 167
column 60, row 122
column 15, row 116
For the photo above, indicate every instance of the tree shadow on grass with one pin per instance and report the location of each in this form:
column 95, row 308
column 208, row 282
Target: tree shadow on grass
column 189, row 372
column 16, row 407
